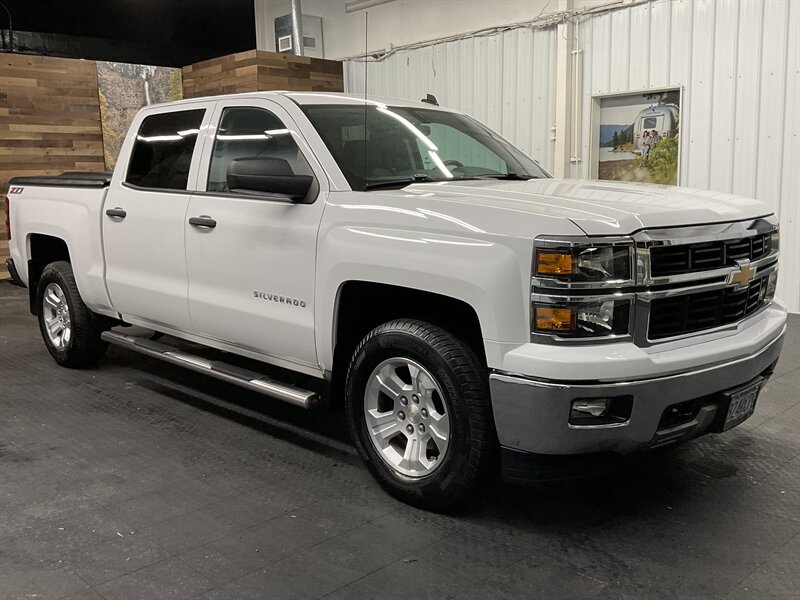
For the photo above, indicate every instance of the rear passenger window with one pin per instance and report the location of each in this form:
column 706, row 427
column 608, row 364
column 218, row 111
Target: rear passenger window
column 162, row 152
column 247, row 132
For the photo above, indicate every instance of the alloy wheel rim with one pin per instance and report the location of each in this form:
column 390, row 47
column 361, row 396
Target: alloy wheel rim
column 57, row 320
column 406, row 417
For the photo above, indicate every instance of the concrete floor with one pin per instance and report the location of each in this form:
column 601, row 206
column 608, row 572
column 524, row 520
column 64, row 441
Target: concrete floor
column 140, row 480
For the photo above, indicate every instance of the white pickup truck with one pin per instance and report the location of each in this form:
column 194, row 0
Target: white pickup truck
column 410, row 263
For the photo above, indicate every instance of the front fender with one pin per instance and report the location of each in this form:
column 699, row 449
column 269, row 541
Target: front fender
column 477, row 253
column 485, row 274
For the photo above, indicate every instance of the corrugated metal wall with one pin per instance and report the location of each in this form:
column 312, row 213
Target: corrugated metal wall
column 738, row 62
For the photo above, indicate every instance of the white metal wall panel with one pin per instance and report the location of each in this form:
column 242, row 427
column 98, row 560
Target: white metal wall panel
column 738, row 62
column 726, row 35
column 790, row 180
column 597, row 33
column 622, row 51
column 640, row 45
column 660, row 36
column 680, row 48
column 772, row 103
column 699, row 96
column 748, row 84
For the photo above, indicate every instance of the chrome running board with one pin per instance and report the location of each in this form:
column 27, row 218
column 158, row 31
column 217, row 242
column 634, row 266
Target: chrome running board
column 250, row 380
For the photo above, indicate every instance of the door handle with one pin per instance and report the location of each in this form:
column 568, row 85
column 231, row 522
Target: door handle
column 116, row 213
column 203, row 222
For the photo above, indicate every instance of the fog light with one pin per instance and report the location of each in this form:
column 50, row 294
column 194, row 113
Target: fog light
column 599, row 412
column 590, row 407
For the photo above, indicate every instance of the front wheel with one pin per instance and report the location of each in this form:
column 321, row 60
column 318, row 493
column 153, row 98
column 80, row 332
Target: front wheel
column 418, row 408
column 71, row 332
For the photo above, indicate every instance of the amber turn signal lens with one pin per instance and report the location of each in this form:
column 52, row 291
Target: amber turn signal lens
column 551, row 318
column 553, row 263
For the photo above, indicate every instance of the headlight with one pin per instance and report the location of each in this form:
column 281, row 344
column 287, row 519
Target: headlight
column 582, row 287
column 584, row 263
column 577, row 317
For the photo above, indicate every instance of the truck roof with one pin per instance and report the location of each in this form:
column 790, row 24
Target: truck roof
column 314, row 98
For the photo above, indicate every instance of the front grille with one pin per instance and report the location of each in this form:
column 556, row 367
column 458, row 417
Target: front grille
column 688, row 313
column 703, row 256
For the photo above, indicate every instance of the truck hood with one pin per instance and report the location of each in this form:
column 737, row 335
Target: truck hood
column 599, row 207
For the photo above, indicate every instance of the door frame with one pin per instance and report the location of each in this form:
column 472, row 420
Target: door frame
column 121, row 171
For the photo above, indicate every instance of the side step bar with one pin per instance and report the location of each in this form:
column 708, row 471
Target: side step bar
column 214, row 368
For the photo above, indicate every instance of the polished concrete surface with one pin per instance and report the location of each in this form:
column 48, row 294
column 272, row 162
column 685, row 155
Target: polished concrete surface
column 141, row 480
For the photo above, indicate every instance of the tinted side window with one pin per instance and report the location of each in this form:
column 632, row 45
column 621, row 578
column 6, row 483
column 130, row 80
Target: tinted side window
column 247, row 132
column 162, row 153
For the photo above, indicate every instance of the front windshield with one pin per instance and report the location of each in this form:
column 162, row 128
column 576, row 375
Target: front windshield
column 384, row 145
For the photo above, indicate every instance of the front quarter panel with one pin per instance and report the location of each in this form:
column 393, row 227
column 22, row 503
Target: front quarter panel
column 452, row 249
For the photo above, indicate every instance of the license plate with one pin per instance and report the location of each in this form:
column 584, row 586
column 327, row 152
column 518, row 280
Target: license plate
column 742, row 404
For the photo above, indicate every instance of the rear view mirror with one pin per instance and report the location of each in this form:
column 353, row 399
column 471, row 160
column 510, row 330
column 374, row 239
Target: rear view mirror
column 267, row 175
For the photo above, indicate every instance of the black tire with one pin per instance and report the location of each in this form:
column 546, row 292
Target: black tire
column 84, row 347
column 463, row 381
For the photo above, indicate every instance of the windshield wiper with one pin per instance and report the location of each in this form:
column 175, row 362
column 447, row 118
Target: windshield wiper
column 509, row 177
column 374, row 185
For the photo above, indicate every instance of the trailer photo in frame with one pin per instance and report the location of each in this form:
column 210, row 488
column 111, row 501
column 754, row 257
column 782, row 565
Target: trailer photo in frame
column 639, row 137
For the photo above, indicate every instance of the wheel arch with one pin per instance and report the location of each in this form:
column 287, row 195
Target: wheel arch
column 362, row 305
column 43, row 249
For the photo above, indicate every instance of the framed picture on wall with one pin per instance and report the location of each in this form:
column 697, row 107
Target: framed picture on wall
column 636, row 136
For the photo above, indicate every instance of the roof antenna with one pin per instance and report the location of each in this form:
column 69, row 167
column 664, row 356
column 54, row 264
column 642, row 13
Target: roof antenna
column 366, row 64
column 430, row 99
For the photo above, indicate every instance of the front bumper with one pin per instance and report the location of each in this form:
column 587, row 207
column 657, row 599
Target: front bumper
column 532, row 414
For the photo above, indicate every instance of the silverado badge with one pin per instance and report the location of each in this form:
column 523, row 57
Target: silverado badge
column 280, row 299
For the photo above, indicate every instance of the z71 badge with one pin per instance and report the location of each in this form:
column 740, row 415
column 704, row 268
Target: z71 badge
column 15, row 189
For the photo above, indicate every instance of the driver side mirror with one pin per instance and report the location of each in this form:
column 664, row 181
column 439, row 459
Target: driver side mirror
column 268, row 175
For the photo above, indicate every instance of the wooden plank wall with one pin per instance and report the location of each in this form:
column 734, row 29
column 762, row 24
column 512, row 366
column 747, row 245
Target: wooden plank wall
column 256, row 70
column 231, row 74
column 49, row 121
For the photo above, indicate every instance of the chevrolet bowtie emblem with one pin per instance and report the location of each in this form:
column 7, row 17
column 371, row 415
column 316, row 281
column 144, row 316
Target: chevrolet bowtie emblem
column 743, row 275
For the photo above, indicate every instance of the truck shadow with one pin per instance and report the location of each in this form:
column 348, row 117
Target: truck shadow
column 601, row 489
column 616, row 488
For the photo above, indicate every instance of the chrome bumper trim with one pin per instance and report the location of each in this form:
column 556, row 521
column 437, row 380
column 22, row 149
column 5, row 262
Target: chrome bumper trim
column 531, row 415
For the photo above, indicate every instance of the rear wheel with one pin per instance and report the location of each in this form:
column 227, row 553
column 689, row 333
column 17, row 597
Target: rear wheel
column 418, row 408
column 71, row 332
